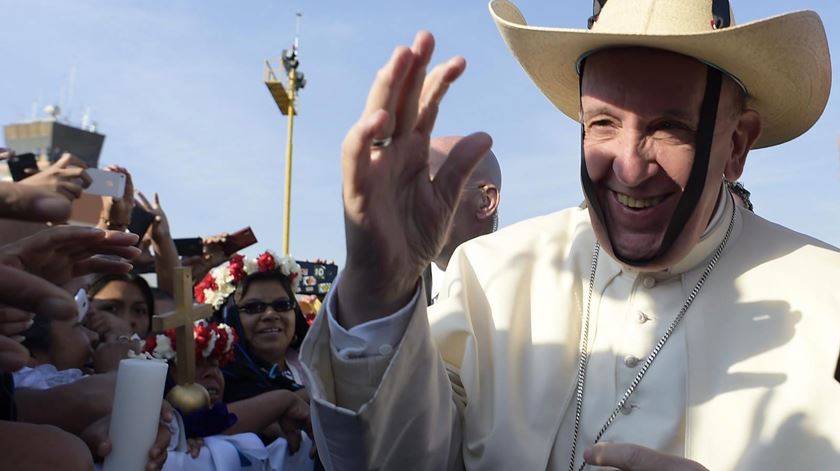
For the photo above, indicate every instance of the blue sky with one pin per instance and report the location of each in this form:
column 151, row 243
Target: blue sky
column 177, row 88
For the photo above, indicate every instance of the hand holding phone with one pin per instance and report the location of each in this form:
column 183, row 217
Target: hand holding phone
column 105, row 183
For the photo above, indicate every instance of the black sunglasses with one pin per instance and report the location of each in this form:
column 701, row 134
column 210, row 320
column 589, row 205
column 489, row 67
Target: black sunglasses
column 259, row 307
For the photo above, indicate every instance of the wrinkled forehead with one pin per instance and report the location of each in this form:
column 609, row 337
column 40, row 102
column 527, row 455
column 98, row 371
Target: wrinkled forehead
column 642, row 79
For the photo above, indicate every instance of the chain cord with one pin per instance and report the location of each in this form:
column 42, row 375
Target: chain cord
column 584, row 356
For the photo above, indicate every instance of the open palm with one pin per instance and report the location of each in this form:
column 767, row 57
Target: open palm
column 396, row 217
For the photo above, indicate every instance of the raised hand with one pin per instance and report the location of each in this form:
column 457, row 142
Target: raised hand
column 160, row 226
column 61, row 253
column 66, row 177
column 116, row 212
column 396, row 217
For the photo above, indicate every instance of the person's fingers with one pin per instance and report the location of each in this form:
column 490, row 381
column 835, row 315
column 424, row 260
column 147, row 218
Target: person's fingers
column 146, row 205
column 462, row 160
column 434, row 88
column 101, row 265
column 13, row 355
column 32, row 203
column 67, row 159
column 6, row 154
column 157, row 453
column 78, row 175
column 293, row 438
column 356, row 151
column 59, row 237
column 166, row 412
column 386, row 90
column 629, row 457
column 9, row 314
column 424, row 45
column 68, row 188
column 110, row 251
column 30, row 293
column 23, row 321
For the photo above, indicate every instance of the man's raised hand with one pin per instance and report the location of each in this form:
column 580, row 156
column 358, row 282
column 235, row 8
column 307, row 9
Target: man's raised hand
column 396, row 217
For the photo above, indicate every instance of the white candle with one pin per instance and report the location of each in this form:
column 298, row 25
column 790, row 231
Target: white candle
column 136, row 413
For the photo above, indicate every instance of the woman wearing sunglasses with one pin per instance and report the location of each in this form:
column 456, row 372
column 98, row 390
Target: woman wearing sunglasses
column 257, row 298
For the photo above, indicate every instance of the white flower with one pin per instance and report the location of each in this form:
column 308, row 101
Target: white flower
column 229, row 333
column 250, row 266
column 163, row 349
column 211, row 344
column 214, row 298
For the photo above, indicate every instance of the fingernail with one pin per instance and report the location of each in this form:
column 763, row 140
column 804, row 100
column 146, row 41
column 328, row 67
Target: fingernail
column 30, row 323
column 18, row 338
column 58, row 308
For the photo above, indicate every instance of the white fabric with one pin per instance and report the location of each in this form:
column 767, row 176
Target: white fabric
column 45, row 376
column 374, row 338
column 485, row 379
column 244, row 452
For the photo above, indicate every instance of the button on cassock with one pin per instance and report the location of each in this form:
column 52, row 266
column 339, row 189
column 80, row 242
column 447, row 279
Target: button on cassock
column 648, row 282
column 631, row 361
column 642, row 318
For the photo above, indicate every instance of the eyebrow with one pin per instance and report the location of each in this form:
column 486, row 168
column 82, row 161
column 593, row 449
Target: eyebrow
column 673, row 113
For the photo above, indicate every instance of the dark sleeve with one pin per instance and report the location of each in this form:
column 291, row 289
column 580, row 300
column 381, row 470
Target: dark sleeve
column 8, row 410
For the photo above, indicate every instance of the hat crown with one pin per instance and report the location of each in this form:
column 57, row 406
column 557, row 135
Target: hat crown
column 657, row 17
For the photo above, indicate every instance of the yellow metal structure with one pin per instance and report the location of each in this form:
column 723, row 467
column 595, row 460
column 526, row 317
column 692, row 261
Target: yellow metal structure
column 285, row 99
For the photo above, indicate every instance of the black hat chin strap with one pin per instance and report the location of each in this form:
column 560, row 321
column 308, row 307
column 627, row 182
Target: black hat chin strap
column 696, row 180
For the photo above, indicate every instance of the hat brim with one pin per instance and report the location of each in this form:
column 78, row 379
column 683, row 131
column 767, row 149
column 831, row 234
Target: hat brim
column 783, row 62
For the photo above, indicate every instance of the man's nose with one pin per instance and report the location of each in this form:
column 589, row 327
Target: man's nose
column 633, row 163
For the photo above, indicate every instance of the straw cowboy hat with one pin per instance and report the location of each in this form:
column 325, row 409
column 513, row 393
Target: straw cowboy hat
column 782, row 62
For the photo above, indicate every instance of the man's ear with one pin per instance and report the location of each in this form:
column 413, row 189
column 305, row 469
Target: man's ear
column 489, row 202
column 746, row 132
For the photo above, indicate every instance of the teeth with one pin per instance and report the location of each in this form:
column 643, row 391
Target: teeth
column 634, row 203
column 270, row 331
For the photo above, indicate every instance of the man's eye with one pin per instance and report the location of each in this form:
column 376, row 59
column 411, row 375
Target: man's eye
column 672, row 126
column 600, row 123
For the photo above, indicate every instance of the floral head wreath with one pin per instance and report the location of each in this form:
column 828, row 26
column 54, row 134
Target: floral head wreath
column 212, row 341
column 221, row 282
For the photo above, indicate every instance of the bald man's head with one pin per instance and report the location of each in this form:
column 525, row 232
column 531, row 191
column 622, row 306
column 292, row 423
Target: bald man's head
column 487, row 170
column 477, row 211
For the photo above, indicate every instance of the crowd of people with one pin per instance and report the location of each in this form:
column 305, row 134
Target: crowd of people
column 446, row 343
column 73, row 307
column 247, row 352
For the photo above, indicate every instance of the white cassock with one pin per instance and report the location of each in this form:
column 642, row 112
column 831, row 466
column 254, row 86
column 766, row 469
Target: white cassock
column 485, row 380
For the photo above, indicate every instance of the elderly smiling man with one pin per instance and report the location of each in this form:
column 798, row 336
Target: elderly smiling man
column 660, row 328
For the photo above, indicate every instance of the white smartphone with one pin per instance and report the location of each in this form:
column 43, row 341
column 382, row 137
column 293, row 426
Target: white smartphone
column 82, row 304
column 104, row 183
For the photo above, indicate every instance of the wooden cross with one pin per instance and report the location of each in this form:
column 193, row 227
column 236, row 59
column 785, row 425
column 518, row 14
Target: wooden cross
column 182, row 320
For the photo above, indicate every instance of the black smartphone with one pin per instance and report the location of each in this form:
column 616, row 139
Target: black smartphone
column 189, row 247
column 22, row 166
column 140, row 221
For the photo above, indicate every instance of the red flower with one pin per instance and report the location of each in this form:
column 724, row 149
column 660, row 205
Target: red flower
column 207, row 283
column 151, row 343
column 237, row 268
column 266, row 262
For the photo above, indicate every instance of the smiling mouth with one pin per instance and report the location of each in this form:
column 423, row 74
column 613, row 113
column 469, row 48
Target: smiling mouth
column 637, row 203
column 273, row 330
